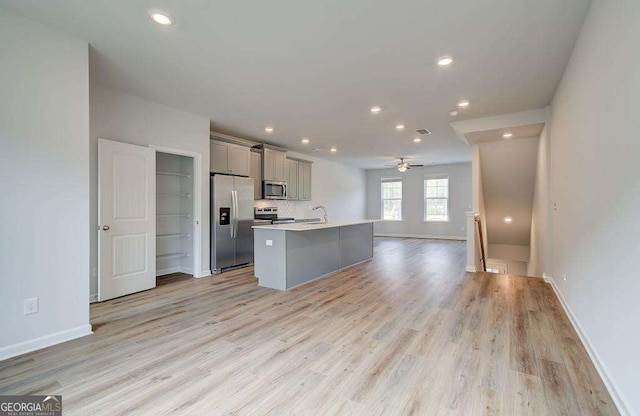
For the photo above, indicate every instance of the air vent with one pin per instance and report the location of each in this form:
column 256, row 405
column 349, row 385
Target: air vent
column 423, row 131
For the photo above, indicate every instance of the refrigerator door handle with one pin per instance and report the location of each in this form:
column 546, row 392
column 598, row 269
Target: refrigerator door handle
column 234, row 224
column 233, row 213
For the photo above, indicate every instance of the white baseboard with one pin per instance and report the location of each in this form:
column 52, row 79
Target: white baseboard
column 93, row 298
column 204, row 273
column 471, row 269
column 45, row 341
column 168, row 270
column 547, row 278
column 429, row 237
column 619, row 400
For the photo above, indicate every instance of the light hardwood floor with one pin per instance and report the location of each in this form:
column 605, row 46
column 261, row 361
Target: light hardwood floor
column 406, row 333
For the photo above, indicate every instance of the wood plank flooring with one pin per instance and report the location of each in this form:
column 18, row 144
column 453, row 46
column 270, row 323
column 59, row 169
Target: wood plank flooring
column 408, row 333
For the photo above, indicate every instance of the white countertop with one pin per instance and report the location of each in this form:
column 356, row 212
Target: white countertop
column 310, row 226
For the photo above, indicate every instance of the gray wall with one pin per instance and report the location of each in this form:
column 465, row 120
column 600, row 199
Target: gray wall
column 125, row 118
column 596, row 185
column 413, row 223
column 44, row 166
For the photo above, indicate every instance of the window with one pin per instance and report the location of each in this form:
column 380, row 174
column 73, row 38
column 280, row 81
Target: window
column 436, row 198
column 392, row 199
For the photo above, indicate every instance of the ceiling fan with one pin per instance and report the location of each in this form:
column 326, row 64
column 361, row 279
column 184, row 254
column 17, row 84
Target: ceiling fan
column 402, row 166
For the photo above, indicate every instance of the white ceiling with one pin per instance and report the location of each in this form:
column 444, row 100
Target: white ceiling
column 508, row 169
column 314, row 68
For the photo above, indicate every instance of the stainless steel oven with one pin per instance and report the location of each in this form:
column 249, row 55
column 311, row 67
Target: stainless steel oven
column 274, row 190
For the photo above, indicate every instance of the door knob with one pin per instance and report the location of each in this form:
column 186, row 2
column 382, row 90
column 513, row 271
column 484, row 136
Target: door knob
column 105, row 227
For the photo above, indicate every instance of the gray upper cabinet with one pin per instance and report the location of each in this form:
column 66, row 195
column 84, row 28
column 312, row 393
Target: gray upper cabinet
column 304, row 181
column 255, row 172
column 274, row 165
column 219, row 153
column 298, row 177
column 291, row 176
column 229, row 158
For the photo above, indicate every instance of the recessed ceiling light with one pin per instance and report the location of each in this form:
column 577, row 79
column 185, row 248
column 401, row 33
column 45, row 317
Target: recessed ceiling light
column 464, row 103
column 417, row 140
column 268, row 129
column 400, row 127
column 305, row 141
column 445, row 60
column 453, row 113
column 333, row 150
column 162, row 18
column 507, row 135
column 376, row 109
column 508, row 219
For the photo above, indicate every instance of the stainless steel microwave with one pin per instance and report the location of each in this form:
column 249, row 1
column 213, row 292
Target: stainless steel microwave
column 274, row 190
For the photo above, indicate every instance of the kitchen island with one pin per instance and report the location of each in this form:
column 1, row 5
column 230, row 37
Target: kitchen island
column 290, row 255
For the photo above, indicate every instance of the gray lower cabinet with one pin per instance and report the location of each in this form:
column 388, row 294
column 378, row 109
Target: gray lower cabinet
column 286, row 259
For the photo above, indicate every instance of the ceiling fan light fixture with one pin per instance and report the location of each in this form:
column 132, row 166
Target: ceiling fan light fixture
column 402, row 167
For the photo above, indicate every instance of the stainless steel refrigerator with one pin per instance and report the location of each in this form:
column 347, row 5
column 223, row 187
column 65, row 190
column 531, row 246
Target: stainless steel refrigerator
column 231, row 221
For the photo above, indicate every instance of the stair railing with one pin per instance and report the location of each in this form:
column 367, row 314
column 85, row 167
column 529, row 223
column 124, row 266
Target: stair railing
column 481, row 241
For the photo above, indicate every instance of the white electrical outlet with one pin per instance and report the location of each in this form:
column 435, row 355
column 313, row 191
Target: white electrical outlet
column 564, row 277
column 30, row 306
column 269, row 242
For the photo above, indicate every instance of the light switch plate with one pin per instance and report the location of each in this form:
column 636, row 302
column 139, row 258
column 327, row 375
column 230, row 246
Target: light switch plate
column 269, row 243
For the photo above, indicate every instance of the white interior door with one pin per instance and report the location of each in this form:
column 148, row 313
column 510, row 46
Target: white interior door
column 126, row 218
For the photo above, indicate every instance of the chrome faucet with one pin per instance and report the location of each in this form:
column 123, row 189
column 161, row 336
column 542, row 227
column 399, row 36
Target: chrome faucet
column 325, row 218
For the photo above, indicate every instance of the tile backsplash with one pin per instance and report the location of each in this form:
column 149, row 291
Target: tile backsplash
column 294, row 209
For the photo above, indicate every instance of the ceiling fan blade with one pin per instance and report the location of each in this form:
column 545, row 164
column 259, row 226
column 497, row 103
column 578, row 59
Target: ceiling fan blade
column 415, row 166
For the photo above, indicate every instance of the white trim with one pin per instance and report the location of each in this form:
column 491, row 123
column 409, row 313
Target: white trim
column 168, row 270
column 175, row 269
column 204, row 273
column 429, row 237
column 197, row 199
column 425, row 198
column 45, row 341
column 470, row 269
column 489, row 263
column 93, row 298
column 547, row 278
column 619, row 400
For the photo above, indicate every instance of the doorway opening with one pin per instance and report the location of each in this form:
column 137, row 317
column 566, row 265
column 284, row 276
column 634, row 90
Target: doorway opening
column 177, row 213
